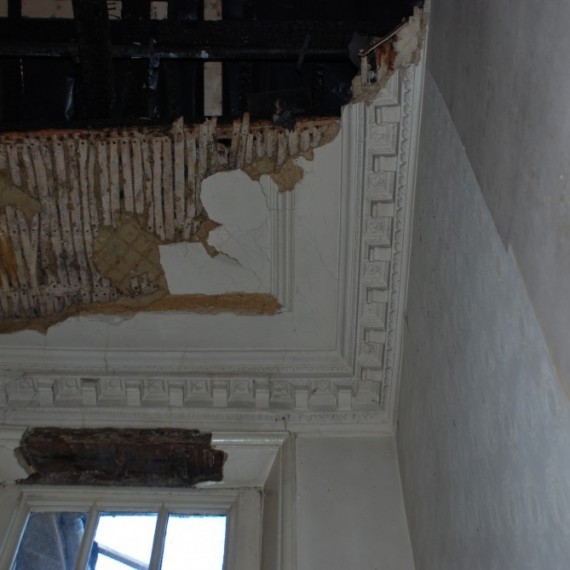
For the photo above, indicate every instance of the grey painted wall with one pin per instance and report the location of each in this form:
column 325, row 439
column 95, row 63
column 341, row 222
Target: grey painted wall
column 484, row 424
column 350, row 511
column 503, row 69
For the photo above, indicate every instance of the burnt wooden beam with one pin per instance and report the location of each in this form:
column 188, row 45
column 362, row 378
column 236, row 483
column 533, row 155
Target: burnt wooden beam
column 12, row 90
column 96, row 60
column 183, row 10
column 136, row 10
column 161, row 457
column 14, row 9
column 198, row 40
column 57, row 50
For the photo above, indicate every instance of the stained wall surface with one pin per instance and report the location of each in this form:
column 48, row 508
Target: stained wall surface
column 350, row 512
column 502, row 68
column 484, row 423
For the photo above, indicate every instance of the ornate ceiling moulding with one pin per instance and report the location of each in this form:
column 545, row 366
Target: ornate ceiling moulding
column 83, row 214
column 340, row 366
column 162, row 457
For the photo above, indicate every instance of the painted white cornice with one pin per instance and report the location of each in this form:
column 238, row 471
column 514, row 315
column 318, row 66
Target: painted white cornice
column 350, row 384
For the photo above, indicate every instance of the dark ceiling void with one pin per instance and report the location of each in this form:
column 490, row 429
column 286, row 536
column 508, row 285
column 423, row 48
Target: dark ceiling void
column 99, row 70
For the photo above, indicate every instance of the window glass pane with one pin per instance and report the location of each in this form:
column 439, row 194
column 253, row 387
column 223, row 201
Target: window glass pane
column 106, row 563
column 195, row 542
column 124, row 540
column 50, row 541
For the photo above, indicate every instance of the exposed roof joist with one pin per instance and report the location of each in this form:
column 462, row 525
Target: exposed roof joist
column 201, row 40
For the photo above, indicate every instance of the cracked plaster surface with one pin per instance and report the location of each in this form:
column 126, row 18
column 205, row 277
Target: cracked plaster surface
column 242, row 241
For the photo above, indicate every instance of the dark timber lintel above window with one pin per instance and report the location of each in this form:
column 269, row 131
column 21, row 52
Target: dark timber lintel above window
column 162, row 457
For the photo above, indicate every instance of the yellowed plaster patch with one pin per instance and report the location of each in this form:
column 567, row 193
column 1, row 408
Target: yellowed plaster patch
column 11, row 195
column 287, row 176
column 129, row 256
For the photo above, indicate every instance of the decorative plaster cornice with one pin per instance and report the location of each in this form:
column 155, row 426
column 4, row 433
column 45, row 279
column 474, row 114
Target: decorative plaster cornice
column 354, row 384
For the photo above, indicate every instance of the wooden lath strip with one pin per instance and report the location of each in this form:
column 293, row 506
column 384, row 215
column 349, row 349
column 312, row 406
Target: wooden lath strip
column 168, row 189
column 76, row 217
column 148, row 183
column 190, row 158
column 87, row 222
column 202, row 166
column 87, row 180
column 223, row 130
column 157, row 187
column 127, row 176
column 37, row 233
column 43, row 165
column 114, row 181
column 179, row 185
column 62, row 200
column 18, row 257
column 138, row 175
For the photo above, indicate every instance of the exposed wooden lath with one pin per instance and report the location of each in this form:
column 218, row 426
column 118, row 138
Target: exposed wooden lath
column 79, row 207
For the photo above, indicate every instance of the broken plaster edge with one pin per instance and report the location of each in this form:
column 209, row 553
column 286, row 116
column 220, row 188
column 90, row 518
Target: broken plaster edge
column 366, row 89
column 237, row 303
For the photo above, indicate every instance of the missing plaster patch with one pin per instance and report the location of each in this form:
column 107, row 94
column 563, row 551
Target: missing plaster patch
column 239, row 252
column 129, row 257
column 286, row 177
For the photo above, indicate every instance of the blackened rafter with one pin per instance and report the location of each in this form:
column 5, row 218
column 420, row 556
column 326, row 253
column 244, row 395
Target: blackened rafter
column 96, row 60
column 200, row 40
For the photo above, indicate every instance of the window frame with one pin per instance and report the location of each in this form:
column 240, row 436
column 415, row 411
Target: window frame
column 242, row 548
column 260, row 465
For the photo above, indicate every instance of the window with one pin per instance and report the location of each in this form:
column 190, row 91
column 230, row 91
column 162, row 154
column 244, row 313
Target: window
column 59, row 528
column 58, row 541
column 256, row 497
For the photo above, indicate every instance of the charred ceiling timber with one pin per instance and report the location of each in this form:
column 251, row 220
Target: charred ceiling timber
column 94, row 43
column 199, row 40
column 162, row 457
column 105, row 67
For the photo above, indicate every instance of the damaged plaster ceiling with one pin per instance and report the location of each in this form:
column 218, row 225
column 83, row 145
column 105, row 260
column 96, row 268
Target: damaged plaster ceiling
column 251, row 266
column 84, row 216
